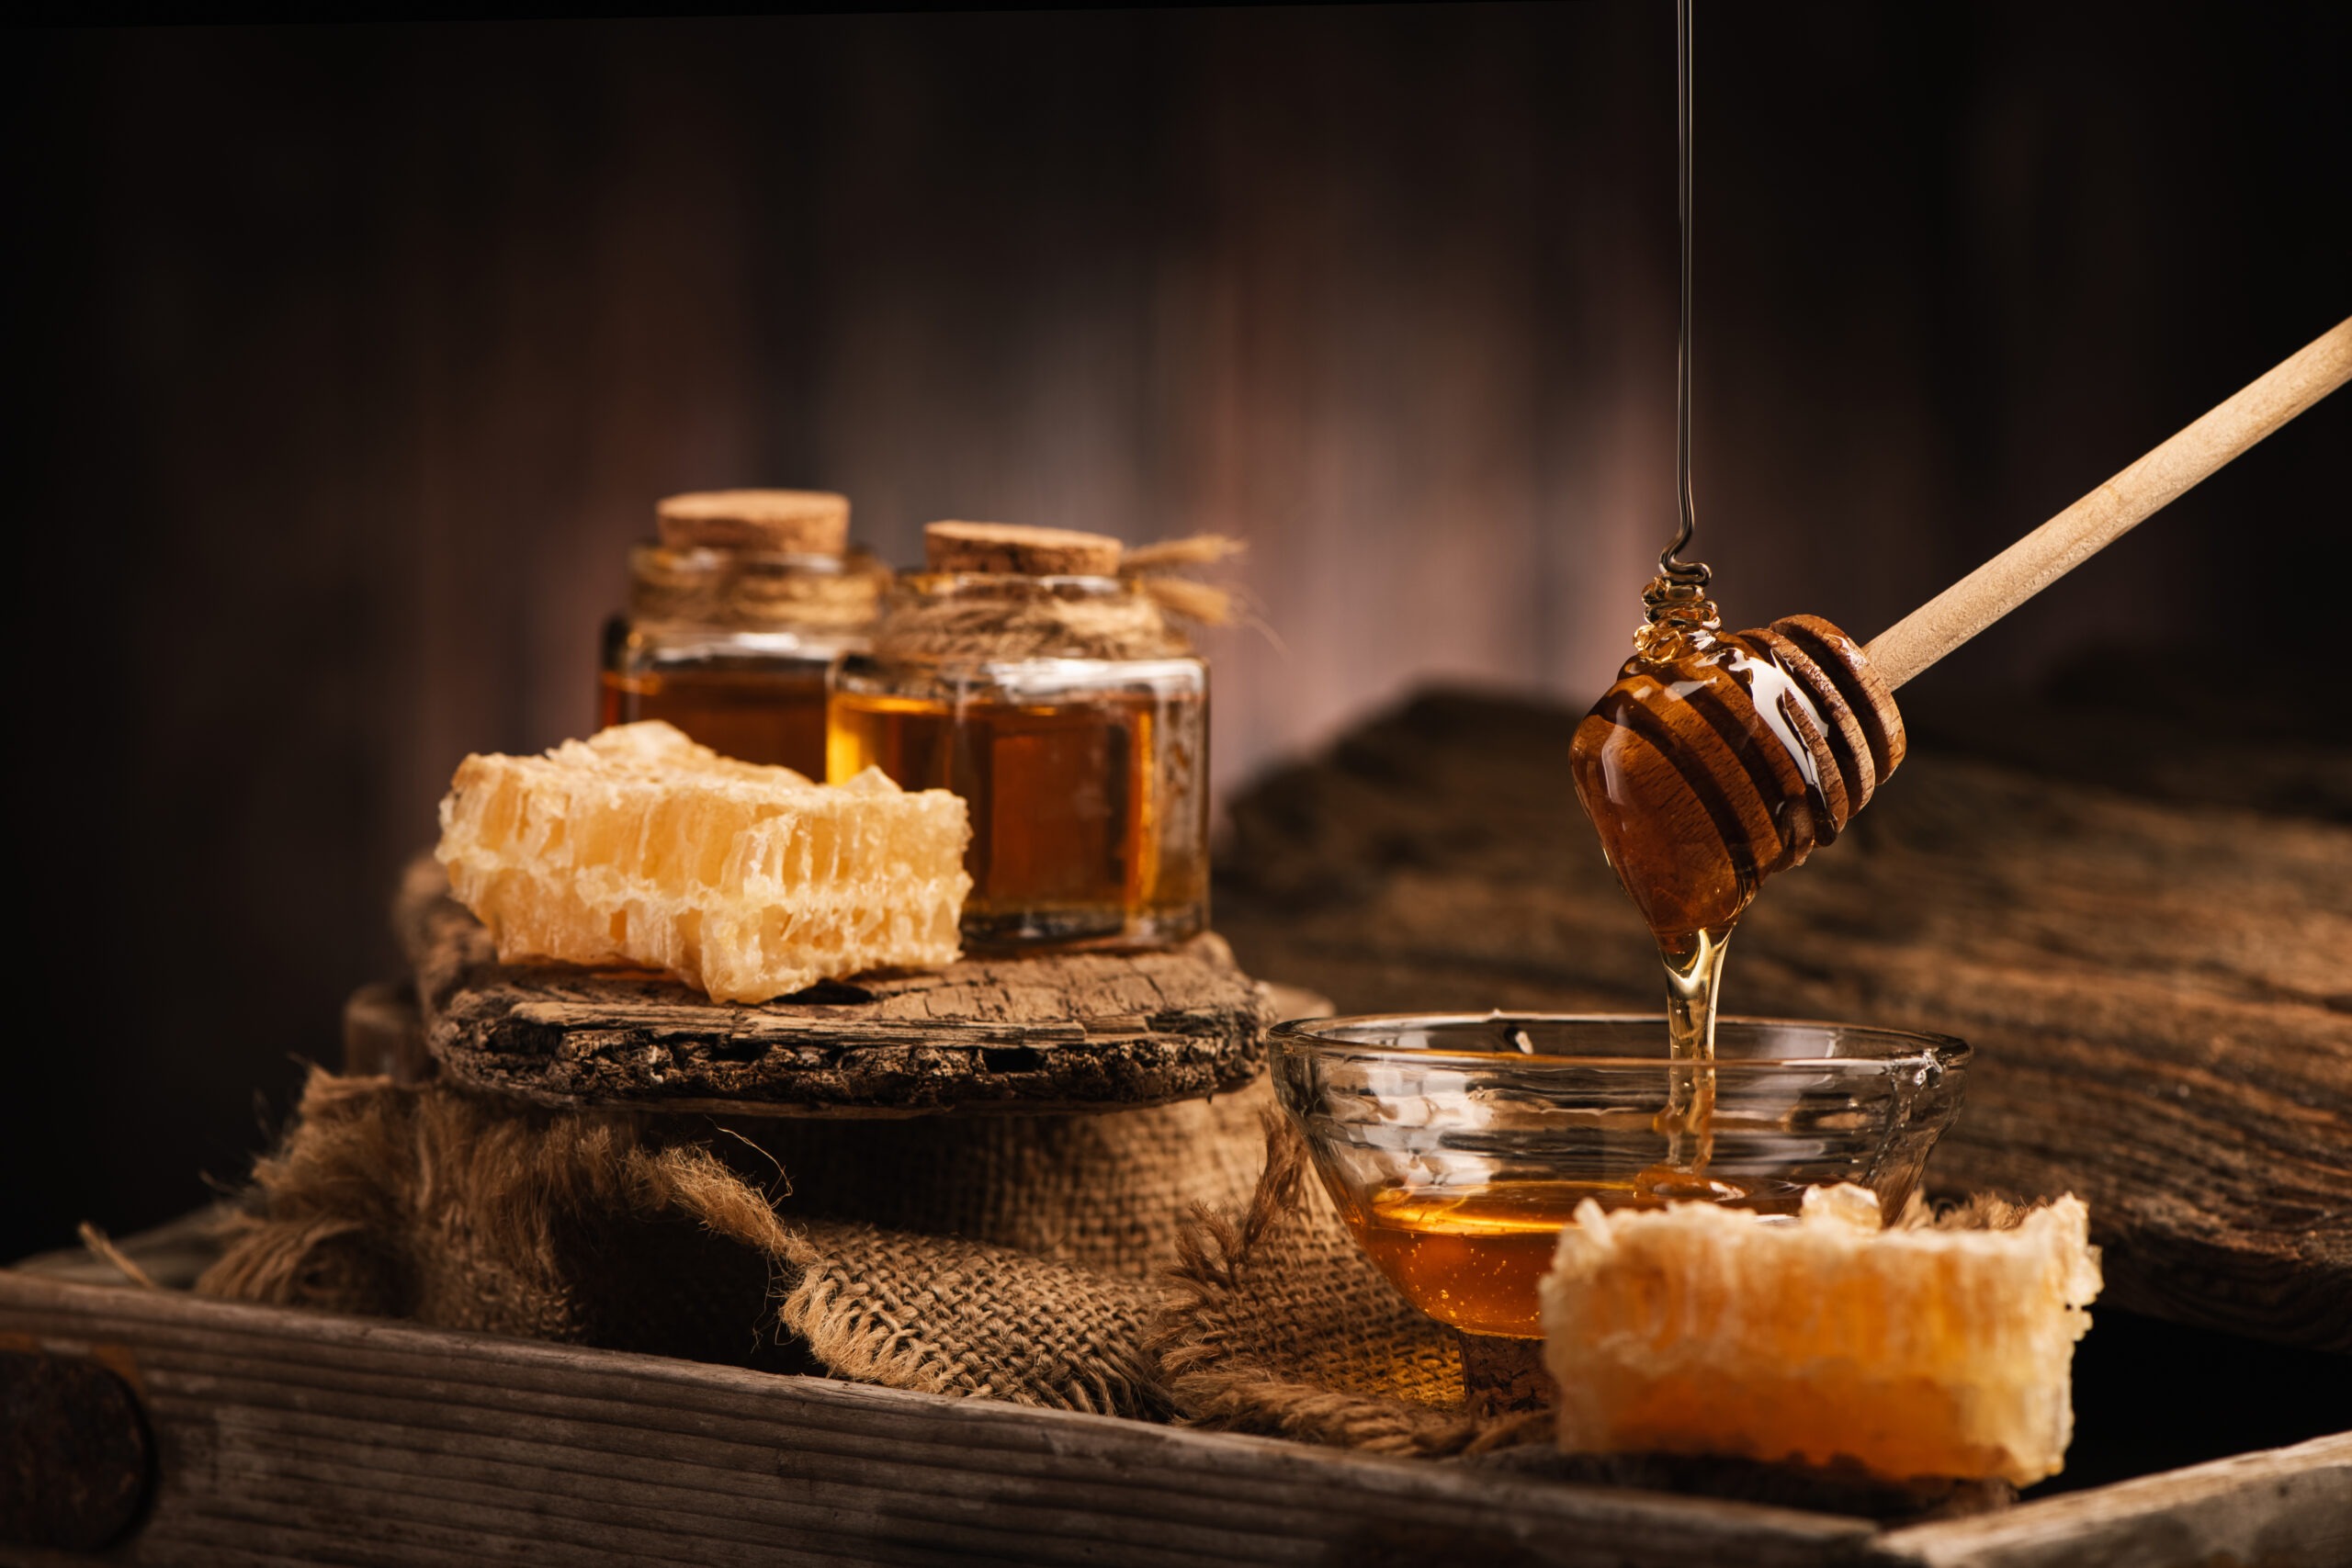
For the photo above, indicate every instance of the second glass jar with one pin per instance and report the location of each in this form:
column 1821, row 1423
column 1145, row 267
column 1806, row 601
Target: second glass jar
column 1024, row 674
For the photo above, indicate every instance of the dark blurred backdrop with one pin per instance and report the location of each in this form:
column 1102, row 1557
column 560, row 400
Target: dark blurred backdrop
column 347, row 360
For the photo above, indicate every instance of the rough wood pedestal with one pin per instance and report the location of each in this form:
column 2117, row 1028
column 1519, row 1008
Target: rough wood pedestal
column 291, row 1438
column 1077, row 1031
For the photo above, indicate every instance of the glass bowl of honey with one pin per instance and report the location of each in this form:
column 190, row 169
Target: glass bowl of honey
column 1456, row 1145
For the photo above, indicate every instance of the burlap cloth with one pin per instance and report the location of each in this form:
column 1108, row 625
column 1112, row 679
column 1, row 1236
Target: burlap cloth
column 1012, row 1257
column 1278, row 1324
column 1171, row 1261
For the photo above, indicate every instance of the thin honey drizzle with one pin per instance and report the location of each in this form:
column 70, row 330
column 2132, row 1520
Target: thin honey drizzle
column 1715, row 761
column 1702, row 771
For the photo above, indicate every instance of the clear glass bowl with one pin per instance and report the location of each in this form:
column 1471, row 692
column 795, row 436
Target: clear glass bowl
column 1456, row 1146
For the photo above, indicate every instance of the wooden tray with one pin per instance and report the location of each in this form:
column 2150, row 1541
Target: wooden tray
column 1079, row 1032
column 162, row 1428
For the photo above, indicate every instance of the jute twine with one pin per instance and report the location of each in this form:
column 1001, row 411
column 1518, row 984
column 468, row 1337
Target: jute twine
column 948, row 619
column 736, row 590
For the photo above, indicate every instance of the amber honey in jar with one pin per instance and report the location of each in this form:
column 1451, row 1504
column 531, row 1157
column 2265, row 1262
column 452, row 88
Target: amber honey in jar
column 1022, row 671
column 736, row 616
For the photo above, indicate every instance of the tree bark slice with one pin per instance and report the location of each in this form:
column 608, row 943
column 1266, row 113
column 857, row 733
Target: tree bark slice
column 2159, row 993
column 1069, row 1031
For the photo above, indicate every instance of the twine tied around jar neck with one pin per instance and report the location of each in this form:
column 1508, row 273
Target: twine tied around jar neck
column 737, row 591
column 990, row 617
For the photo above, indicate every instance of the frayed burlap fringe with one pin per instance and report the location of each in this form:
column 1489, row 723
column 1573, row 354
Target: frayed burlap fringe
column 664, row 1235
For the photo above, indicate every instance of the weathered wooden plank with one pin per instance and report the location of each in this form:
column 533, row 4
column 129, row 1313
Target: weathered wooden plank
column 2286, row 1508
column 287, row 1437
column 2156, row 991
column 1086, row 1031
column 295, row 1437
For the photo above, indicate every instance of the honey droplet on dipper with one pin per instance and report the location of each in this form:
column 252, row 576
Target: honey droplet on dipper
column 1720, row 758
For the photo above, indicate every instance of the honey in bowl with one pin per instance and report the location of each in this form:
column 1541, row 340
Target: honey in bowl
column 1471, row 1256
column 1455, row 1146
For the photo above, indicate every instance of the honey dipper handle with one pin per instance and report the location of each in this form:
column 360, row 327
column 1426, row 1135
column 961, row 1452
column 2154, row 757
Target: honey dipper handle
column 2080, row 531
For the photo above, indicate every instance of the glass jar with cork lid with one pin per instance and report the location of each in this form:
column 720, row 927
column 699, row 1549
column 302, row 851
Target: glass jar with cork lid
column 736, row 614
column 1038, row 673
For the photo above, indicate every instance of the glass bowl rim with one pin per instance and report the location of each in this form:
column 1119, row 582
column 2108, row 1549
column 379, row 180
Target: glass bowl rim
column 1945, row 1052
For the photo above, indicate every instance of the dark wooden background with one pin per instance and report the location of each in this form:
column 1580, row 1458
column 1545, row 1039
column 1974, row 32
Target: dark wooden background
column 347, row 360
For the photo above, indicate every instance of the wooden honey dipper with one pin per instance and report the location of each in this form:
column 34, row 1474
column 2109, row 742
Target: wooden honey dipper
column 1720, row 758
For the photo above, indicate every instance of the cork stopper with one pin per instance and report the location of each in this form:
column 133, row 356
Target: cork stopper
column 1027, row 552
column 776, row 521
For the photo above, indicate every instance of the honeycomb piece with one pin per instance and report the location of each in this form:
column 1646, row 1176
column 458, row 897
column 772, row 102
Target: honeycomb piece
column 1914, row 1353
column 639, row 847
